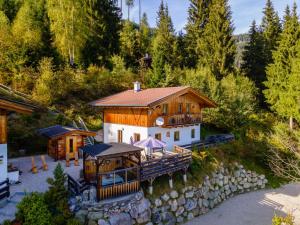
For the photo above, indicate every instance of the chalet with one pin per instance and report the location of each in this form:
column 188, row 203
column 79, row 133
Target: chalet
column 7, row 106
column 172, row 115
column 64, row 142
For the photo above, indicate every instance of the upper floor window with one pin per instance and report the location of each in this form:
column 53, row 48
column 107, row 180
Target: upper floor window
column 165, row 109
column 193, row 133
column 180, row 108
column 176, row 136
column 188, row 107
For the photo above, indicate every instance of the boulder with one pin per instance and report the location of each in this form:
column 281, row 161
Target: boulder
column 102, row 222
column 180, row 219
column 95, row 215
column 156, row 218
column 190, row 216
column 181, row 200
column 179, row 211
column 189, row 194
column 157, row 202
column 174, row 205
column 81, row 215
column 190, row 204
column 165, row 197
column 120, row 219
column 174, row 194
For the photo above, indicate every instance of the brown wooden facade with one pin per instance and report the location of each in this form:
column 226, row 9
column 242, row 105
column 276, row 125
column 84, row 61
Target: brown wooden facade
column 181, row 109
column 66, row 146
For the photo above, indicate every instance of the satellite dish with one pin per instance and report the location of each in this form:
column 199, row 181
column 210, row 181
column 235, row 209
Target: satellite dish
column 160, row 121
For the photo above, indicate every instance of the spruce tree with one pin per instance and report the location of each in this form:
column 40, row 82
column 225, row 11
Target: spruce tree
column 144, row 35
column 103, row 32
column 271, row 29
column 280, row 86
column 163, row 45
column 197, row 19
column 253, row 61
column 217, row 48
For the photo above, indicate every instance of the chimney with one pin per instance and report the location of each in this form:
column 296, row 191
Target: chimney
column 136, row 86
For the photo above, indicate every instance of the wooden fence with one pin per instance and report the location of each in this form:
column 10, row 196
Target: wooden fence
column 166, row 165
column 118, row 189
column 4, row 189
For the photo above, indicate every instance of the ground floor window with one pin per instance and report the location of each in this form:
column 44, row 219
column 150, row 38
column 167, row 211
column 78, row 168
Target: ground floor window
column 137, row 137
column 176, row 136
column 158, row 136
column 193, row 133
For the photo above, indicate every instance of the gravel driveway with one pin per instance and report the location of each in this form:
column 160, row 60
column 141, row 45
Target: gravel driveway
column 255, row 208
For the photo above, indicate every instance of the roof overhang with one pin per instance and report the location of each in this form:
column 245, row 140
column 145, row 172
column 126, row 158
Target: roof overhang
column 15, row 106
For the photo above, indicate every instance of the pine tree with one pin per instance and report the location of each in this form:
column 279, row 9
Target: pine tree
column 144, row 35
column 280, row 86
column 217, row 47
column 10, row 8
column 163, row 45
column 197, row 19
column 129, row 4
column 253, row 61
column 103, row 32
column 271, row 29
column 129, row 45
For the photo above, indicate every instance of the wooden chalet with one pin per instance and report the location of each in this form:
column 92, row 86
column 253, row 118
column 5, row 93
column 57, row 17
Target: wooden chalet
column 64, row 142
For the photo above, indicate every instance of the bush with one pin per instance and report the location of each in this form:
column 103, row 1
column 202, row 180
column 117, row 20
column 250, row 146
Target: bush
column 33, row 210
column 279, row 220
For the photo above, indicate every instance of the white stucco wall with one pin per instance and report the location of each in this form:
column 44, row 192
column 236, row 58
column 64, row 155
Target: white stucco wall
column 3, row 164
column 111, row 134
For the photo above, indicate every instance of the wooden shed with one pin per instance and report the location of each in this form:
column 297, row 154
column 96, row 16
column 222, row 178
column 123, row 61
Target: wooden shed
column 64, row 141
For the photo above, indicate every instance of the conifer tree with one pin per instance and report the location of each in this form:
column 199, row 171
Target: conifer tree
column 253, row 61
column 129, row 45
column 271, row 29
column 281, row 85
column 217, row 47
column 197, row 19
column 144, row 35
column 129, row 4
column 103, row 32
column 163, row 45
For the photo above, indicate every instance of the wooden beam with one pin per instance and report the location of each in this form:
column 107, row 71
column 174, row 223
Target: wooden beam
column 15, row 107
column 3, row 126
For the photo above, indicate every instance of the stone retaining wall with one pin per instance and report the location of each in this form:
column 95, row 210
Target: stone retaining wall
column 173, row 207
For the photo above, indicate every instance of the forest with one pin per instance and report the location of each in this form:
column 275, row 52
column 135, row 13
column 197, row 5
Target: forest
column 64, row 54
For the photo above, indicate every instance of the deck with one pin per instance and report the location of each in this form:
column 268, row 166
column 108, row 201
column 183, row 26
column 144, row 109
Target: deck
column 169, row 163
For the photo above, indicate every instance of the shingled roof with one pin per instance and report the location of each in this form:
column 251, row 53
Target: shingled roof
column 147, row 97
column 58, row 130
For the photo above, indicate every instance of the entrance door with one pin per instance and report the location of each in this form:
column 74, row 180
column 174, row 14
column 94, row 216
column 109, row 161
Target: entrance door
column 71, row 147
column 120, row 136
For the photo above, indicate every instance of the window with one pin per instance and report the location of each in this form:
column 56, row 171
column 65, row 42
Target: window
column 188, row 107
column 176, row 136
column 193, row 133
column 158, row 136
column 180, row 108
column 165, row 109
column 137, row 137
column 71, row 145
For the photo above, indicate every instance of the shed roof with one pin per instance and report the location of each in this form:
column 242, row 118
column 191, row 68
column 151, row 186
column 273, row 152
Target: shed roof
column 15, row 106
column 148, row 97
column 101, row 150
column 58, row 130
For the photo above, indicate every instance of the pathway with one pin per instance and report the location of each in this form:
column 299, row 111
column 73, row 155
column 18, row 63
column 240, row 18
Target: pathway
column 255, row 208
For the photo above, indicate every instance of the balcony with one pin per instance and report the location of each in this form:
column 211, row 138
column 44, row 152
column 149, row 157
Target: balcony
column 181, row 119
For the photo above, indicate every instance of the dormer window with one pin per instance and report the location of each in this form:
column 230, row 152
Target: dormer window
column 180, row 108
column 165, row 109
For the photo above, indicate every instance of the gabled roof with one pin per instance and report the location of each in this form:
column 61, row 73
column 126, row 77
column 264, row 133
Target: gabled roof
column 148, row 97
column 59, row 130
column 101, row 150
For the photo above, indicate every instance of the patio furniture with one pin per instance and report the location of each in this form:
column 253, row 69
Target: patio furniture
column 33, row 166
column 44, row 164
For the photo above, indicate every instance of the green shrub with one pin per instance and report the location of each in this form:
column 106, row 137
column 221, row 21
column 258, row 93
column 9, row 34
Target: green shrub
column 33, row 210
column 280, row 220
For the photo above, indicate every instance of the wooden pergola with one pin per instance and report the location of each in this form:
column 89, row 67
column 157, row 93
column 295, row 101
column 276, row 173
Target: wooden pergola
column 114, row 168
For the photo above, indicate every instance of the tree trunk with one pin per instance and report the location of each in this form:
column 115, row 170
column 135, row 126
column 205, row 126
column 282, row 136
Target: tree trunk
column 291, row 123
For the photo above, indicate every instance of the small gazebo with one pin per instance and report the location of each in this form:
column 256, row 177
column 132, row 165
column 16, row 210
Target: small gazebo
column 114, row 168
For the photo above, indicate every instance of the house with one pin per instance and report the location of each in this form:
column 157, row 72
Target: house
column 7, row 106
column 172, row 115
column 64, row 142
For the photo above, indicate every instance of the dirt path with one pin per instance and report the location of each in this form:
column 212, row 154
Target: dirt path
column 255, row 208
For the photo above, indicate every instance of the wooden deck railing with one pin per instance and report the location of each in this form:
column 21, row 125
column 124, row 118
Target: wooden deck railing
column 118, row 189
column 182, row 119
column 4, row 189
column 180, row 159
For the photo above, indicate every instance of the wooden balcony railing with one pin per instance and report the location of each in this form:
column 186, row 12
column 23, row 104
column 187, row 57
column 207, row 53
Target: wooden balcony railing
column 181, row 119
column 118, row 190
